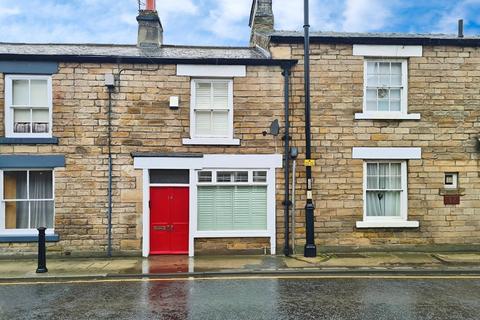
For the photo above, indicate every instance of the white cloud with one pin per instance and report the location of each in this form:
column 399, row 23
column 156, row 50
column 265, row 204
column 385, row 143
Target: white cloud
column 228, row 19
column 366, row 15
column 4, row 11
column 176, row 7
column 466, row 9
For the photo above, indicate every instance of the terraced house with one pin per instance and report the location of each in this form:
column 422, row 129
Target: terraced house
column 161, row 149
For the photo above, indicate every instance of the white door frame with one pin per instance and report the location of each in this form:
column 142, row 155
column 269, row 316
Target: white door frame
column 268, row 162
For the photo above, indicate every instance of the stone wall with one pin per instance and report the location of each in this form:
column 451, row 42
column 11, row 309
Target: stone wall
column 444, row 87
column 142, row 122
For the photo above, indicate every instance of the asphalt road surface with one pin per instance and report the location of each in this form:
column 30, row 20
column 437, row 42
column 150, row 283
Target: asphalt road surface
column 254, row 298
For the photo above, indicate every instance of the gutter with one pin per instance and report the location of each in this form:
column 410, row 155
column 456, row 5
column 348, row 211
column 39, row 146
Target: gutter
column 286, row 202
column 461, row 42
column 148, row 60
column 110, row 173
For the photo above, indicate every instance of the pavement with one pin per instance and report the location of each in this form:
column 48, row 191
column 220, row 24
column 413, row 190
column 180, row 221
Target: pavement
column 181, row 266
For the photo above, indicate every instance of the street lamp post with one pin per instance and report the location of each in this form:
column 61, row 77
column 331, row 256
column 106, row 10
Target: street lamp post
column 310, row 248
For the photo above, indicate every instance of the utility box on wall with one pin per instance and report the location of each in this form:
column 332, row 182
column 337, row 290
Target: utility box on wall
column 451, row 200
column 451, row 192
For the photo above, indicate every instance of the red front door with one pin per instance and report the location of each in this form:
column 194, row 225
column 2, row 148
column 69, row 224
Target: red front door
column 169, row 220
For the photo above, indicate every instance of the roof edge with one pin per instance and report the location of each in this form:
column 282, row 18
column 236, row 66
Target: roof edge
column 461, row 42
column 149, row 60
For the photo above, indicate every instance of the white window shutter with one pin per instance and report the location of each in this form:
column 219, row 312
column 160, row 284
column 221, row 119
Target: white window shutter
column 203, row 123
column 220, row 95
column 220, row 123
column 203, row 97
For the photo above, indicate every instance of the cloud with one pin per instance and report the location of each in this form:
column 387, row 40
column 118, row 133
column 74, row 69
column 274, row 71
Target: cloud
column 5, row 11
column 366, row 15
column 228, row 19
column 177, row 7
column 289, row 15
column 222, row 22
column 469, row 10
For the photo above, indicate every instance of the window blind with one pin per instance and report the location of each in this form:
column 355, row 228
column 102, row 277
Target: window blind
column 224, row 208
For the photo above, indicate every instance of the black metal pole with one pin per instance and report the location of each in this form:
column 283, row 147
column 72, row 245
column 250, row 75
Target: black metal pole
column 287, row 203
column 42, row 256
column 110, row 173
column 310, row 248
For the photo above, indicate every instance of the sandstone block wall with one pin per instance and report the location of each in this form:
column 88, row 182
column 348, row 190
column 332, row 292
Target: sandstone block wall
column 444, row 87
column 142, row 122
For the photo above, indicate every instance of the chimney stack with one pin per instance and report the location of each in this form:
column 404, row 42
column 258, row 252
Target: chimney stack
column 261, row 18
column 150, row 30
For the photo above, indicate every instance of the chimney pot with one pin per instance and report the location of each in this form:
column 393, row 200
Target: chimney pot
column 151, row 5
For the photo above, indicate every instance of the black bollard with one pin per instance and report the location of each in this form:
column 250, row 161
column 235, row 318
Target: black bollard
column 42, row 257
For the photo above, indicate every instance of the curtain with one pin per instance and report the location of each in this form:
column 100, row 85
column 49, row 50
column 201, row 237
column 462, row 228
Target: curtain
column 383, row 204
column 22, row 206
column 384, row 181
column 41, row 188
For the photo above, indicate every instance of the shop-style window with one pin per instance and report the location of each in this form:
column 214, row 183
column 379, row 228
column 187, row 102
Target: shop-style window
column 232, row 200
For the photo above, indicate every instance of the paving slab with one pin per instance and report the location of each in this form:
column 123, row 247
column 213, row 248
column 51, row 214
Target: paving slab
column 459, row 258
column 102, row 267
column 65, row 267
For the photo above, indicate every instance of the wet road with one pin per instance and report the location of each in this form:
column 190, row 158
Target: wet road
column 263, row 298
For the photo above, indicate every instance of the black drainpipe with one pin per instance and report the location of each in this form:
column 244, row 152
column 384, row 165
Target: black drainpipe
column 287, row 203
column 109, row 250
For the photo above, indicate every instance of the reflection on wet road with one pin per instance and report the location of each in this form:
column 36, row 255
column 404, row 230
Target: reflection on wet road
column 267, row 298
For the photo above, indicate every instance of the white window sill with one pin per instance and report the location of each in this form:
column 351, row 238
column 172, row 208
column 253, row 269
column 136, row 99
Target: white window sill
column 212, row 141
column 25, row 232
column 387, row 224
column 387, row 116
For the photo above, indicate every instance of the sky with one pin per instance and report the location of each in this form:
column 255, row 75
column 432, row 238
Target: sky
column 223, row 22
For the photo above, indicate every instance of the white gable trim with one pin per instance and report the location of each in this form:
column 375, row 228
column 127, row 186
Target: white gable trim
column 224, row 71
column 387, row 153
column 387, row 51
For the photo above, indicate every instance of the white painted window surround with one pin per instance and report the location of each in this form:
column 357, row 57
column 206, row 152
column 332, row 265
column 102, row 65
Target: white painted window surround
column 211, row 71
column 211, row 113
column 391, row 51
column 386, row 54
column 386, row 157
column 386, row 153
column 28, row 106
column 212, row 141
column 30, row 195
column 267, row 163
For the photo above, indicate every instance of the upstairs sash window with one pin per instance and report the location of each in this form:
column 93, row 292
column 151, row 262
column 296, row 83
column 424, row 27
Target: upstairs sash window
column 385, row 86
column 28, row 106
column 212, row 109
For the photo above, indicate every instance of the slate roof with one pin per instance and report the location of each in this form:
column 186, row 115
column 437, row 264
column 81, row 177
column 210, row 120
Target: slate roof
column 132, row 51
column 371, row 35
column 377, row 37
